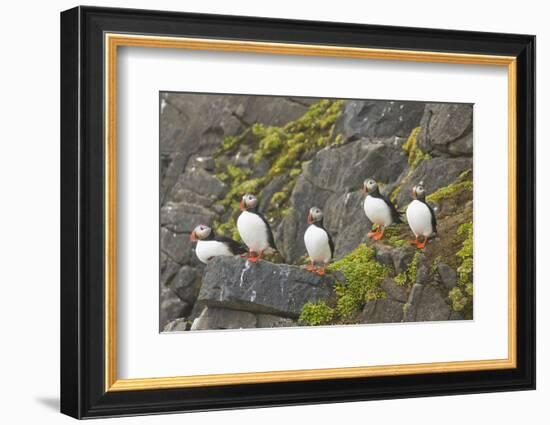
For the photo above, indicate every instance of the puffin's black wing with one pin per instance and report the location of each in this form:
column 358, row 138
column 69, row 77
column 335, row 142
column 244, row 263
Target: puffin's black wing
column 434, row 221
column 234, row 246
column 270, row 238
column 330, row 244
column 394, row 213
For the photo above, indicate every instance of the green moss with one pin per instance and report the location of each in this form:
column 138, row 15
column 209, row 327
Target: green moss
column 408, row 277
column 363, row 275
column 316, row 314
column 462, row 295
column 393, row 236
column 413, row 268
column 463, row 183
column 467, row 250
column 435, row 262
column 414, row 153
column 394, row 193
column 401, row 278
column 458, row 299
column 347, row 307
column 396, row 241
column 284, row 148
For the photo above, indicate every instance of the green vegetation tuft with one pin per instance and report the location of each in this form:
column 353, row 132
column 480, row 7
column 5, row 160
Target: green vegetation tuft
column 461, row 296
column 435, row 263
column 401, row 278
column 316, row 314
column 414, row 153
column 458, row 299
column 408, row 277
column 285, row 149
column 393, row 236
column 463, row 183
column 363, row 275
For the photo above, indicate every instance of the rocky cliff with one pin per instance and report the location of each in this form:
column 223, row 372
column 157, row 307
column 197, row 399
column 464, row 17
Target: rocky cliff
column 295, row 153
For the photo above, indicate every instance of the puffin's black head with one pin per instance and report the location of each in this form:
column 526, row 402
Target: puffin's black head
column 200, row 232
column 315, row 215
column 418, row 192
column 249, row 202
column 369, row 186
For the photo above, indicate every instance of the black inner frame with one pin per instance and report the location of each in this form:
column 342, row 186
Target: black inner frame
column 82, row 207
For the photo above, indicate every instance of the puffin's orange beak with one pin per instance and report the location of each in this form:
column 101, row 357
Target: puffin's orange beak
column 365, row 190
column 193, row 236
column 413, row 193
column 309, row 218
column 242, row 205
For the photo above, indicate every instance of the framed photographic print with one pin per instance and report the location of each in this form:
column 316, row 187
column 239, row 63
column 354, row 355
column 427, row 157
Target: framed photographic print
column 261, row 212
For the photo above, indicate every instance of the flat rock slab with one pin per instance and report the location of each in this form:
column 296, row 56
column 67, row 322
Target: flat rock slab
column 263, row 287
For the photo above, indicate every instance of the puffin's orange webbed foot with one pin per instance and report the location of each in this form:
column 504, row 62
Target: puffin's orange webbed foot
column 321, row 271
column 422, row 245
column 310, row 267
column 378, row 236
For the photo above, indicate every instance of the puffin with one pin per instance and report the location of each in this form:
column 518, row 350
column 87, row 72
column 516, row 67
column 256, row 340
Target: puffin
column 210, row 245
column 318, row 241
column 254, row 229
column 378, row 209
column 421, row 217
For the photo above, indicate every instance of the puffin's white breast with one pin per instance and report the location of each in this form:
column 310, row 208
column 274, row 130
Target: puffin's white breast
column 253, row 231
column 377, row 211
column 316, row 240
column 206, row 250
column 419, row 218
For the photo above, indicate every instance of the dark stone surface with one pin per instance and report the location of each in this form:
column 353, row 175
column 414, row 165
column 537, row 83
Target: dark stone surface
column 423, row 270
column 432, row 305
column 205, row 162
column 414, row 299
column 183, row 195
column 261, row 287
column 384, row 255
column 385, row 310
column 376, row 119
column 456, row 315
column 183, row 217
column 343, row 168
column 186, row 283
column 200, row 180
column 171, row 307
column 346, row 221
column 447, row 129
column 176, row 246
column 271, row 321
column 447, row 275
column 213, row 318
column 394, row 291
column 177, row 325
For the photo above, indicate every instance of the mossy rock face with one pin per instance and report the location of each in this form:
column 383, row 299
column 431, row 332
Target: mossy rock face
column 299, row 153
column 360, row 276
column 434, row 174
column 278, row 153
column 452, row 248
